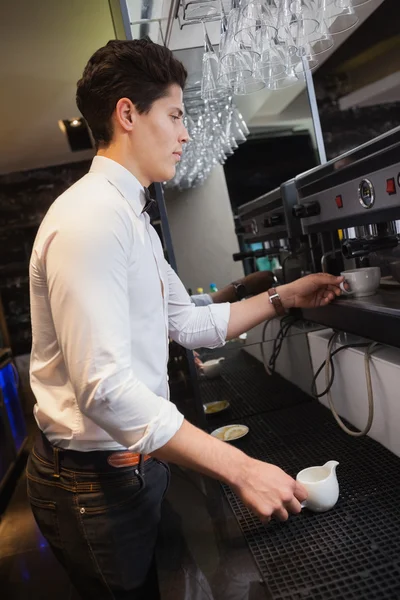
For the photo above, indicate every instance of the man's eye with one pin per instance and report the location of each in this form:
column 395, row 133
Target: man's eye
column 174, row 118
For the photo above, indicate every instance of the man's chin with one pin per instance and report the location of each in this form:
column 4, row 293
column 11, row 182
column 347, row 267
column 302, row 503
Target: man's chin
column 168, row 174
column 164, row 175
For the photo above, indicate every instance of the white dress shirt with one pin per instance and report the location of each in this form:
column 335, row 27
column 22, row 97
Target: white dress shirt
column 103, row 303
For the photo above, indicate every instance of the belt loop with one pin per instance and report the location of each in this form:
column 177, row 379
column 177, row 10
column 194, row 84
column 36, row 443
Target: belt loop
column 141, row 463
column 140, row 471
column 56, row 457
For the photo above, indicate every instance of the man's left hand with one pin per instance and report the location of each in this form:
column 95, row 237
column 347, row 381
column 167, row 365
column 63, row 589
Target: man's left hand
column 311, row 291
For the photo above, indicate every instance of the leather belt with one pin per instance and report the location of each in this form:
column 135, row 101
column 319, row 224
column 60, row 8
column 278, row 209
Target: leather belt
column 96, row 460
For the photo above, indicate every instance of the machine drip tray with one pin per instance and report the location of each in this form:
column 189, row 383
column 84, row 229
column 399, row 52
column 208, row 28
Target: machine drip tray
column 386, row 301
column 375, row 317
column 351, row 552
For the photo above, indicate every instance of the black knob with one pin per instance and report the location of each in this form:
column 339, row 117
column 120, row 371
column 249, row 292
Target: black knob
column 308, row 209
column 312, row 208
column 299, row 211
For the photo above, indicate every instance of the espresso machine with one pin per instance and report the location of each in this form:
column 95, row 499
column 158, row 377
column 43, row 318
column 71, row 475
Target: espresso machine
column 270, row 219
column 350, row 210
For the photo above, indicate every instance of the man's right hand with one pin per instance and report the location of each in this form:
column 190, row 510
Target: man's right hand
column 264, row 488
column 269, row 492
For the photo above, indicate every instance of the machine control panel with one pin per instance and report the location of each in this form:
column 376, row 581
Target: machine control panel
column 371, row 199
column 357, row 188
column 270, row 217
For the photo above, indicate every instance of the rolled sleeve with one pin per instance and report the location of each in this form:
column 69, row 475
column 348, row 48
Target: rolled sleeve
column 194, row 326
column 160, row 429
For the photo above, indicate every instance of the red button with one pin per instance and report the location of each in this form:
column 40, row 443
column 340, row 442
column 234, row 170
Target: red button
column 391, row 186
column 339, row 201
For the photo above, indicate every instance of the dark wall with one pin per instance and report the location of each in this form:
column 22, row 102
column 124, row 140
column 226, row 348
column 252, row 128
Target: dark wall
column 344, row 130
column 24, row 200
column 369, row 54
column 262, row 164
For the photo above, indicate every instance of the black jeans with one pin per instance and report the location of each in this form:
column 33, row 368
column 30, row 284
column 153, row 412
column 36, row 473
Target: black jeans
column 102, row 526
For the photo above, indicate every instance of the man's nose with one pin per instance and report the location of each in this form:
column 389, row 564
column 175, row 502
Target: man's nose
column 184, row 137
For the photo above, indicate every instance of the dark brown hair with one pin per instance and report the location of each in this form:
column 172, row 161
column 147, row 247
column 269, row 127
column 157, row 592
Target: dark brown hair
column 136, row 69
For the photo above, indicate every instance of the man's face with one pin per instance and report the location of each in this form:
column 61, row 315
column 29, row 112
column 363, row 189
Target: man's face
column 157, row 138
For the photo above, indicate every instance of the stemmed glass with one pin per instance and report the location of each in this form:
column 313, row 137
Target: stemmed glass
column 212, row 84
column 215, row 128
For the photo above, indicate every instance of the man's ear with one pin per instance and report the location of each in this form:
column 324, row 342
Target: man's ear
column 125, row 114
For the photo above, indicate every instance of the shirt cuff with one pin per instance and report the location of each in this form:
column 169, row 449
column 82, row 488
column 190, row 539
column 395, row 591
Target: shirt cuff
column 160, row 429
column 220, row 314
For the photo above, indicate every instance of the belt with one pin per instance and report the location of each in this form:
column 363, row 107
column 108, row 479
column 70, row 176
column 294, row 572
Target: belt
column 96, row 460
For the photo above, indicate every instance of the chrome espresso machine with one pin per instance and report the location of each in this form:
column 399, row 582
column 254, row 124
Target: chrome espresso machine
column 270, row 219
column 339, row 216
column 350, row 206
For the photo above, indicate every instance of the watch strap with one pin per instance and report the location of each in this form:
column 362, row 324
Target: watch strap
column 276, row 302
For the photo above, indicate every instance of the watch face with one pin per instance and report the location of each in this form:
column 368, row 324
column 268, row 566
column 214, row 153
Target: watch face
column 240, row 291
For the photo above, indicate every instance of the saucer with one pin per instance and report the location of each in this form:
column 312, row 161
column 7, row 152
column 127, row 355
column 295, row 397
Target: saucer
column 229, row 433
column 212, row 408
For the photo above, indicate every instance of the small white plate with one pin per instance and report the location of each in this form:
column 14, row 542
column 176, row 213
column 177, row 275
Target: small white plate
column 211, row 408
column 229, row 433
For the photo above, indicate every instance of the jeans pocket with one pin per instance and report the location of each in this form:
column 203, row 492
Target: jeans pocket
column 46, row 516
column 105, row 496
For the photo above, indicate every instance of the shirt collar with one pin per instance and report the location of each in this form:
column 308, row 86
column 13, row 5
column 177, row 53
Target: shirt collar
column 123, row 180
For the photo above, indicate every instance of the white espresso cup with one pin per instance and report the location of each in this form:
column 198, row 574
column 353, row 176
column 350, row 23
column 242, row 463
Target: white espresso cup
column 322, row 486
column 361, row 282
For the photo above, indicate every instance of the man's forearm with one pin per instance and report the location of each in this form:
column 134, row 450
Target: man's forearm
column 193, row 448
column 264, row 488
column 253, row 311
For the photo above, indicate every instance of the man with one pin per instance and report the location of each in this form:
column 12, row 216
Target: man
column 103, row 303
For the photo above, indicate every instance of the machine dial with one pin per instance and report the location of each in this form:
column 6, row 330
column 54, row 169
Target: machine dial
column 366, row 193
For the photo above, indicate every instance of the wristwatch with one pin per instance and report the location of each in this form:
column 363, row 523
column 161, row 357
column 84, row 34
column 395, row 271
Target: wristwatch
column 276, row 302
column 240, row 290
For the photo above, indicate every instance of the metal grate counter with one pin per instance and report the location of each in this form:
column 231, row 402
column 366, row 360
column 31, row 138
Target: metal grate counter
column 350, row 552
